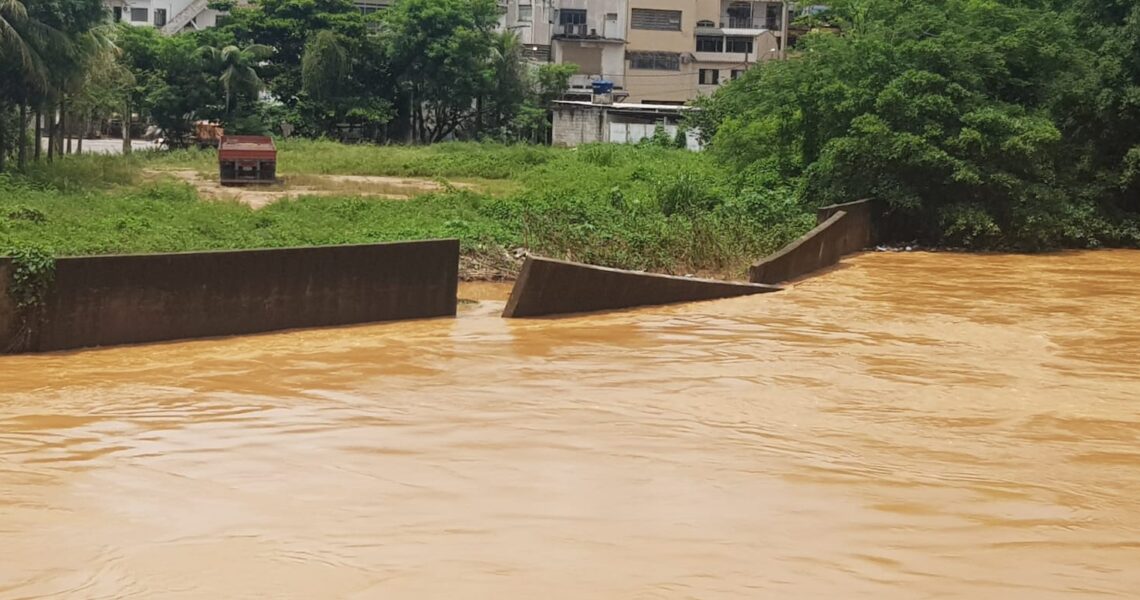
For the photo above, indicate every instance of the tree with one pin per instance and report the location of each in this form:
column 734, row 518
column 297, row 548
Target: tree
column 340, row 90
column 943, row 111
column 288, row 26
column 167, row 81
column 43, row 46
column 507, row 82
column 236, row 69
column 439, row 50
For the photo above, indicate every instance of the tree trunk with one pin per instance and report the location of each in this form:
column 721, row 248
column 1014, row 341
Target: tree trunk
column 22, row 153
column 51, row 135
column 127, row 127
column 39, row 132
column 63, row 133
column 3, row 140
column 411, row 118
column 479, row 116
column 85, row 122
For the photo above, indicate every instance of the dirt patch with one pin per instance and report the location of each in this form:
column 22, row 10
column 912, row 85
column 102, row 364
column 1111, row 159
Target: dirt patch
column 294, row 186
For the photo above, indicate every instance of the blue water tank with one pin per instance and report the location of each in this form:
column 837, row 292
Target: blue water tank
column 603, row 86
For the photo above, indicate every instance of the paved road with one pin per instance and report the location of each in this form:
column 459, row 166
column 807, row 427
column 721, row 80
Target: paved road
column 110, row 146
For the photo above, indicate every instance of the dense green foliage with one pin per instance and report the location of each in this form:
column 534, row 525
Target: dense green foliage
column 624, row 206
column 981, row 123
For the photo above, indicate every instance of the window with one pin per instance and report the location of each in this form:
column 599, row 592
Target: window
column 660, row 20
column 655, row 61
column 611, row 16
column 773, row 17
column 138, row 15
column 742, row 45
column 117, row 14
column 526, row 12
column 736, row 73
column 706, row 24
column 740, row 15
column 710, row 76
column 567, row 16
column 710, row 43
column 159, row 17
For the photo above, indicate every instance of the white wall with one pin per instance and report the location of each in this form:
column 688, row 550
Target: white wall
column 207, row 18
column 632, row 133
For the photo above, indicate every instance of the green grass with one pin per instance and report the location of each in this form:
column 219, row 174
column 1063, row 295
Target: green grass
column 622, row 206
column 459, row 159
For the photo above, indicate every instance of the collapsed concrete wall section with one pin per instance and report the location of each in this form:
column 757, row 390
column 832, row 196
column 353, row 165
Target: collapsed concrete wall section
column 107, row 300
column 552, row 287
column 842, row 229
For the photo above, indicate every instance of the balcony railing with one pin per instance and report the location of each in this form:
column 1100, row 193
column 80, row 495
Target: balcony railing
column 573, row 30
column 736, row 22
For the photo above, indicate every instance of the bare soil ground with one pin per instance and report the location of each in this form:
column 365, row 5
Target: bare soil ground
column 293, row 186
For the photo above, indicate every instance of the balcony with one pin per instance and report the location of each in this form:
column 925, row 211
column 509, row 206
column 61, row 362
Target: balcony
column 730, row 22
column 582, row 31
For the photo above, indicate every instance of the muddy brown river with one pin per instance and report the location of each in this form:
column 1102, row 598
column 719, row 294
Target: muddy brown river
column 907, row 426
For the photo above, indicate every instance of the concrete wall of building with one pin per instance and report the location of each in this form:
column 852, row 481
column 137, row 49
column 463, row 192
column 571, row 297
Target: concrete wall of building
column 552, row 287
column 603, row 60
column 606, row 17
column 577, row 125
column 649, row 85
column 632, row 133
column 107, row 300
column 206, row 18
column 538, row 28
column 842, row 229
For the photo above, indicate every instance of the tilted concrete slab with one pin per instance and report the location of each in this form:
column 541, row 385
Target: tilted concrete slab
column 842, row 230
column 553, row 287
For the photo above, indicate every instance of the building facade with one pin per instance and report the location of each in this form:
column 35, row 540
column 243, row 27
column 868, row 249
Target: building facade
column 171, row 16
column 654, row 51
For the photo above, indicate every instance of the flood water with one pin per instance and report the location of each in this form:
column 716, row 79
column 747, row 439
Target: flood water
column 907, row 426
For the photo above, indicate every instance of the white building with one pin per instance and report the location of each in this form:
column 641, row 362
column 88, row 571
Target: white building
column 171, row 16
column 581, row 122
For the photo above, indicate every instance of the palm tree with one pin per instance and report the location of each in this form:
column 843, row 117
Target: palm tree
column 237, row 69
column 15, row 46
column 27, row 49
column 508, row 74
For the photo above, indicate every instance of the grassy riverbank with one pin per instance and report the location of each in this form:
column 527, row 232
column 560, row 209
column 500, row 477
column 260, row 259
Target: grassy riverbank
column 631, row 207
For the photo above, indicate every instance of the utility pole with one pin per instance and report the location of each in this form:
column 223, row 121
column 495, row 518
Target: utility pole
column 784, row 30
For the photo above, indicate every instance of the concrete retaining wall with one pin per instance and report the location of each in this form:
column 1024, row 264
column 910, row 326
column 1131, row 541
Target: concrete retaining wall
column 860, row 224
column 8, row 321
column 842, row 229
column 106, row 300
column 551, row 287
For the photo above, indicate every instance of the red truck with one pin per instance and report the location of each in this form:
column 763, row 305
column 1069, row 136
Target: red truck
column 247, row 159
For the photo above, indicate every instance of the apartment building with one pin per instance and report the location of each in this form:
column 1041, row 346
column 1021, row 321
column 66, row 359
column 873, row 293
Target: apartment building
column 654, row 51
column 679, row 49
column 587, row 33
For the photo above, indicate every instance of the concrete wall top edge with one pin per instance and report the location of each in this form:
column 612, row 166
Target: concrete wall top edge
column 803, row 239
column 654, row 275
column 219, row 251
column 846, row 204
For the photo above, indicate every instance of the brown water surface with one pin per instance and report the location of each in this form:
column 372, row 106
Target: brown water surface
column 907, row 426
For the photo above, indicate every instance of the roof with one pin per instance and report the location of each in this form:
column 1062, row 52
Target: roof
column 630, row 106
